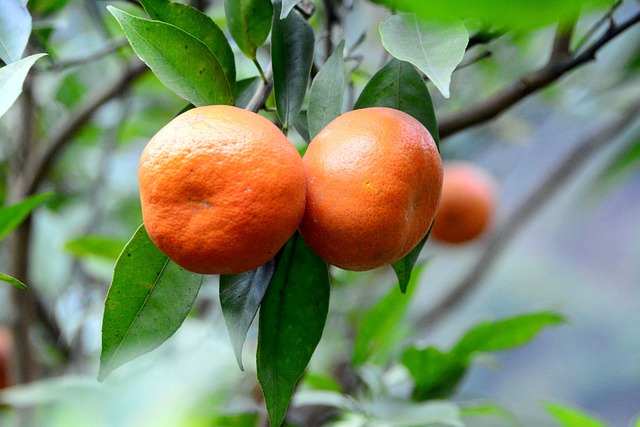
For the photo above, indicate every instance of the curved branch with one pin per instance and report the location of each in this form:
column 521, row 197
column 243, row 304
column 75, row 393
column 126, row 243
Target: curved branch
column 556, row 67
column 542, row 193
column 38, row 164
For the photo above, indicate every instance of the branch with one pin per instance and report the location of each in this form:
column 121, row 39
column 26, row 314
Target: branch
column 110, row 48
column 37, row 165
column 261, row 95
column 560, row 62
column 579, row 155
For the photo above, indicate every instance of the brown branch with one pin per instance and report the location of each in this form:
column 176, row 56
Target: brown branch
column 560, row 63
column 542, row 193
column 39, row 163
column 261, row 94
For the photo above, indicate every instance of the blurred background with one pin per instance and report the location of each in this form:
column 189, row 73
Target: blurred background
column 578, row 254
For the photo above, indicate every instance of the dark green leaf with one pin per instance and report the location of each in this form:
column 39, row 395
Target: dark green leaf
column 327, row 92
column 571, row 417
column 12, row 77
column 240, row 297
column 382, row 329
column 182, row 62
column 149, row 298
column 292, row 45
column 505, row 334
column 12, row 216
column 46, row 7
column 249, row 22
column 15, row 28
column 12, row 280
column 398, row 85
column 97, row 246
column 70, row 91
column 435, row 48
column 198, row 25
column 302, row 126
column 404, row 267
column 292, row 317
column 435, row 374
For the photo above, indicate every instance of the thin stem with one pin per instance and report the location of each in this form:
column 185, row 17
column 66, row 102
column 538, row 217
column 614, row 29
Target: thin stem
column 262, row 75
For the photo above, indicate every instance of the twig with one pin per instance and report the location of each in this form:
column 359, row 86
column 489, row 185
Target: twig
column 38, row 164
column 111, row 47
column 545, row 190
column 557, row 66
column 260, row 96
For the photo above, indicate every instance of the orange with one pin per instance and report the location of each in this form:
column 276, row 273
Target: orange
column 374, row 178
column 6, row 354
column 468, row 203
column 222, row 189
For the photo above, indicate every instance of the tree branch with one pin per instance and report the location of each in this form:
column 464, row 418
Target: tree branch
column 545, row 190
column 38, row 164
column 261, row 95
column 560, row 62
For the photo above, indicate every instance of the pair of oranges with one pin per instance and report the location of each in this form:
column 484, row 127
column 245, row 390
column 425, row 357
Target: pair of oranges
column 223, row 189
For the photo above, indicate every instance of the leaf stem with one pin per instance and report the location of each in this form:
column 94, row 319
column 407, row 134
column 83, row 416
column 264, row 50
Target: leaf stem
column 262, row 75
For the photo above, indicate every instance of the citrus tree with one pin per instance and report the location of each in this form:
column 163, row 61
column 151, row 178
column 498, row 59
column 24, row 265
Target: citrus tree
column 222, row 94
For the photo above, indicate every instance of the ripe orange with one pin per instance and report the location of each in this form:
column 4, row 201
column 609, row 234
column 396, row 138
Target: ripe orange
column 374, row 177
column 222, row 190
column 468, row 203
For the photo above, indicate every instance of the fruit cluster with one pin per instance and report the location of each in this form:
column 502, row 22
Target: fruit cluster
column 223, row 189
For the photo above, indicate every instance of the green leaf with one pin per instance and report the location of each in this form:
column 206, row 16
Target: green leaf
column 105, row 247
column 505, row 334
column 488, row 410
column 182, row 62
column 149, row 298
column 15, row 29
column 287, row 5
column 240, row 297
column 12, row 77
column 292, row 317
column 249, row 22
column 12, row 280
column 12, row 216
column 512, row 14
column 435, row 48
column 398, row 85
column 292, row 45
column 571, row 417
column 435, row 374
column 302, row 126
column 327, row 92
column 381, row 328
column 404, row 267
column 198, row 25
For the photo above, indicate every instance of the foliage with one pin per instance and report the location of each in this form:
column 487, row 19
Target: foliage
column 304, row 69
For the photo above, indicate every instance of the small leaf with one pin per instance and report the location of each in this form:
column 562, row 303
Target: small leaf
column 327, row 92
column 15, row 29
column 505, row 334
column 570, row 417
column 182, row 62
column 149, row 298
column 95, row 246
column 398, row 85
column 292, row 317
column 292, row 45
column 12, row 216
column 404, row 267
column 12, row 77
column 435, row 48
column 435, row 374
column 287, row 5
column 198, row 25
column 240, row 298
column 12, row 280
column 302, row 126
column 249, row 22
column 381, row 329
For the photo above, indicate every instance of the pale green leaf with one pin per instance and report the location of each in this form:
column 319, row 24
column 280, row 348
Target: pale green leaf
column 435, row 48
column 12, row 77
column 15, row 29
